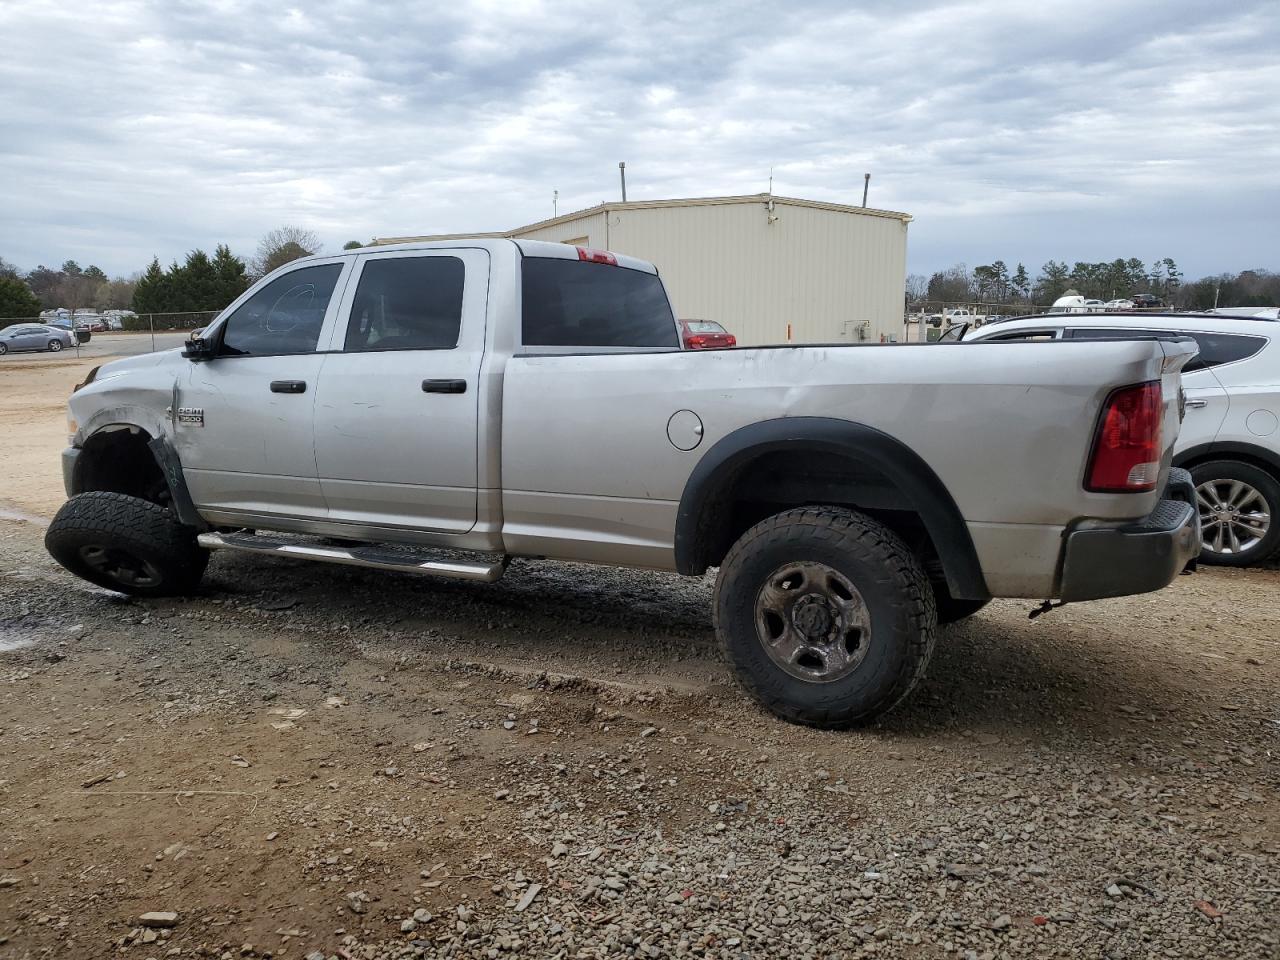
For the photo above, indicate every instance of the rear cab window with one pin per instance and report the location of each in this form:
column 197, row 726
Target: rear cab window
column 581, row 304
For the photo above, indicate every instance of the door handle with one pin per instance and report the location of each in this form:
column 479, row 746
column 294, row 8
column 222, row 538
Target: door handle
column 1197, row 403
column 444, row 386
column 288, row 386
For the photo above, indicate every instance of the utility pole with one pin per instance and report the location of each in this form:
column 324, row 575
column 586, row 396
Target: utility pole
column 622, row 173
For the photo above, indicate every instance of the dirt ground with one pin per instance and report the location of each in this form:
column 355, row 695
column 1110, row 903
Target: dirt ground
column 322, row 761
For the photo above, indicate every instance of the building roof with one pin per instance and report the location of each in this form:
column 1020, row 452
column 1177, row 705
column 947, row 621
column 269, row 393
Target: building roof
column 652, row 204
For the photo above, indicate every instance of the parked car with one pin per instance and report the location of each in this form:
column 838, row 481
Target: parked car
column 1146, row 301
column 948, row 317
column 532, row 399
column 1121, row 303
column 705, row 335
column 63, row 323
column 1230, row 439
column 34, row 336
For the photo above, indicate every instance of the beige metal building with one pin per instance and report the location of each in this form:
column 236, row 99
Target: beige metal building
column 768, row 268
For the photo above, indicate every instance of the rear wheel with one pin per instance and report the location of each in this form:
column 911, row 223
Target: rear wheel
column 55, row 346
column 1237, row 503
column 127, row 544
column 824, row 616
column 3, row 349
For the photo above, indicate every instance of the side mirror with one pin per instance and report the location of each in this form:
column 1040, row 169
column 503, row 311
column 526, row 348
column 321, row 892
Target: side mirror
column 198, row 350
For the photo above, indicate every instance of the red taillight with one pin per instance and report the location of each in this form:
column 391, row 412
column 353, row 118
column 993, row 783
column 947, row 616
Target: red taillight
column 1126, row 452
column 695, row 341
column 730, row 340
column 597, row 256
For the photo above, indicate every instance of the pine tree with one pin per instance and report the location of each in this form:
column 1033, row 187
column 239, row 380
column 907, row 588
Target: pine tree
column 148, row 295
column 195, row 284
column 231, row 276
column 17, row 302
column 1021, row 282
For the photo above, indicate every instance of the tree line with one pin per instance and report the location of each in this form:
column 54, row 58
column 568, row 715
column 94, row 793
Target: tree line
column 199, row 283
column 996, row 283
column 1105, row 280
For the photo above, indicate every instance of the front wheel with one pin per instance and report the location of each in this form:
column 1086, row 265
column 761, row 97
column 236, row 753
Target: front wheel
column 55, row 346
column 1237, row 503
column 824, row 616
column 4, row 348
column 127, row 544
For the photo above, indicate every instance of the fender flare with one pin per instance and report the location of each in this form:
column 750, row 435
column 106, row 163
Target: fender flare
column 903, row 467
column 1228, row 448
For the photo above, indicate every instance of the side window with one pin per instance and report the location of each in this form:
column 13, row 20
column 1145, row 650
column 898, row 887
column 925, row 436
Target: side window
column 1215, row 348
column 407, row 303
column 1220, row 348
column 576, row 303
column 285, row 316
column 1112, row 333
column 1028, row 335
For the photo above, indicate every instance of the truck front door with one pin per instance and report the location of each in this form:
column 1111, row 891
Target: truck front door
column 242, row 421
column 396, row 412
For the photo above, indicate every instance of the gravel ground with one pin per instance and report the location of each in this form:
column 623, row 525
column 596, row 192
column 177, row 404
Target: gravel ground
column 318, row 762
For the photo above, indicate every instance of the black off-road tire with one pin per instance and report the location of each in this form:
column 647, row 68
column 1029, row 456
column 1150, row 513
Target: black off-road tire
column 126, row 544
column 951, row 609
column 893, row 586
column 1267, row 486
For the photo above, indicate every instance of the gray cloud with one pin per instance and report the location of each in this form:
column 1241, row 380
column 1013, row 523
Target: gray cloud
column 1080, row 130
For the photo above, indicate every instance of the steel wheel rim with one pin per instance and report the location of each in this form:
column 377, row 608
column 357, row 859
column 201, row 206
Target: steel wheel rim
column 813, row 622
column 1234, row 517
column 120, row 565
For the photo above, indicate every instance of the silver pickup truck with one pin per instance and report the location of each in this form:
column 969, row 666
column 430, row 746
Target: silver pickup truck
column 439, row 408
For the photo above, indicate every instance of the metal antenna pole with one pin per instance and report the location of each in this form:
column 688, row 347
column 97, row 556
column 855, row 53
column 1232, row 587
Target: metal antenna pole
column 622, row 173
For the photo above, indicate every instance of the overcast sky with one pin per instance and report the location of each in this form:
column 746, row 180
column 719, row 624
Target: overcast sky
column 1081, row 130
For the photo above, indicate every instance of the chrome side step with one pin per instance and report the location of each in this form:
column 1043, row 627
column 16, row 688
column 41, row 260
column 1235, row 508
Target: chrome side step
column 407, row 561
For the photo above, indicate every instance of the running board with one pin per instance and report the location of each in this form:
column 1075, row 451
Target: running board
column 363, row 556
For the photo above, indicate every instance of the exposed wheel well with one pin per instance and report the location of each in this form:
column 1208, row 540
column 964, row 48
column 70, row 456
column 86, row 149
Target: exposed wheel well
column 118, row 460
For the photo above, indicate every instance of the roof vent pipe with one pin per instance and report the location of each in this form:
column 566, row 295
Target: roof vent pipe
column 866, row 182
column 622, row 173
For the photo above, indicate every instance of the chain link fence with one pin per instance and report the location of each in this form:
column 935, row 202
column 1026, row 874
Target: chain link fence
column 148, row 323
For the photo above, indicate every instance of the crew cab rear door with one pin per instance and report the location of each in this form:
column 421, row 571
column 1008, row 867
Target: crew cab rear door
column 396, row 410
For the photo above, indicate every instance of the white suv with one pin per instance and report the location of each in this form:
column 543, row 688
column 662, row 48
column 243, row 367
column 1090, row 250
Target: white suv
column 1230, row 439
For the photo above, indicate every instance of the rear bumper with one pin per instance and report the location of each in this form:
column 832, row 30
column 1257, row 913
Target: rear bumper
column 1138, row 558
